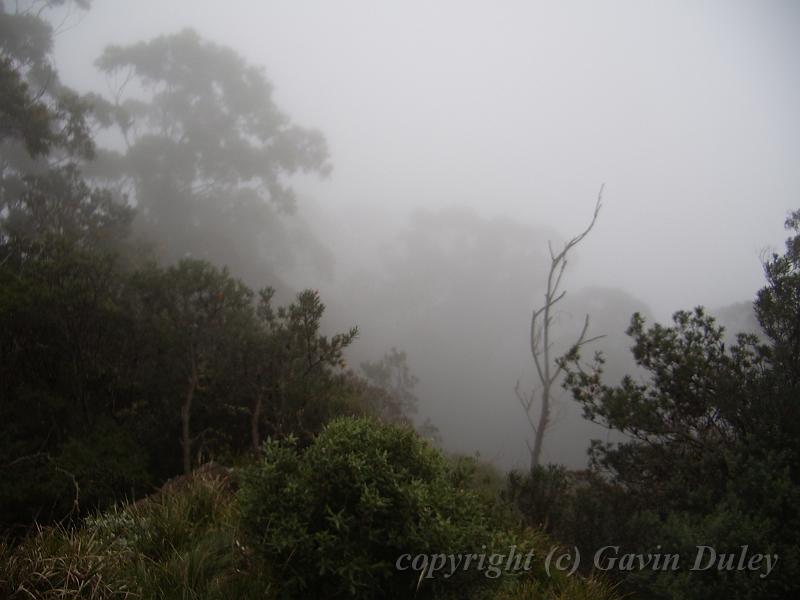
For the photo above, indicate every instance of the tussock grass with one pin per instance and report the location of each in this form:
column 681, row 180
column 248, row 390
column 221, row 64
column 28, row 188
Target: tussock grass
column 181, row 544
column 561, row 588
column 60, row 563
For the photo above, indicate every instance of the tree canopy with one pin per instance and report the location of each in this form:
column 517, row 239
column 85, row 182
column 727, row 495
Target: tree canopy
column 208, row 155
column 712, row 444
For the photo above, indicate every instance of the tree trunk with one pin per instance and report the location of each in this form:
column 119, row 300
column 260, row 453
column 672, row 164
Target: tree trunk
column 254, row 421
column 538, row 440
column 186, row 438
column 544, row 414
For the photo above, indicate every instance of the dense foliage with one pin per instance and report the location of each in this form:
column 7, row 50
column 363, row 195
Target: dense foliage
column 191, row 541
column 710, row 454
column 334, row 518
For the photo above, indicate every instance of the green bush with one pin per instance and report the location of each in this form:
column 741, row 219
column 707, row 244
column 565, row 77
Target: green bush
column 333, row 519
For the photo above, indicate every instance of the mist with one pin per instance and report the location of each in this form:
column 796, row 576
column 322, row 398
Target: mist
column 465, row 136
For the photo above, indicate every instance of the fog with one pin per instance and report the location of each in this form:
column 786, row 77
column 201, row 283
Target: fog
column 464, row 136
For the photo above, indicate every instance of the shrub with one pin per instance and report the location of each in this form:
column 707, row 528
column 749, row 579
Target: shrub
column 333, row 519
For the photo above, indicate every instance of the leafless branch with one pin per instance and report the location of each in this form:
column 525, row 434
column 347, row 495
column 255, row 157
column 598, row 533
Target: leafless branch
column 541, row 346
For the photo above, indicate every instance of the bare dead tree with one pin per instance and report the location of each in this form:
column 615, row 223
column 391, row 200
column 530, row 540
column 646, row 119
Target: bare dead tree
column 548, row 368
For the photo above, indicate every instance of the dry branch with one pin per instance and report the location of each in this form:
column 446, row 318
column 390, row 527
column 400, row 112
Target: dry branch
column 541, row 346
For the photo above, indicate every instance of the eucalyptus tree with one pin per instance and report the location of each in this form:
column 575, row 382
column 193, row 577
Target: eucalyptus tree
column 206, row 154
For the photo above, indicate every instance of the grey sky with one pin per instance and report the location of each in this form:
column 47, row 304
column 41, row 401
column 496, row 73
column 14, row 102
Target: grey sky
column 687, row 110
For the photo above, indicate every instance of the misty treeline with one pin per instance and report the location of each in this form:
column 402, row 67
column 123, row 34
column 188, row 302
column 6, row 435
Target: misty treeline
column 127, row 354
column 130, row 354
